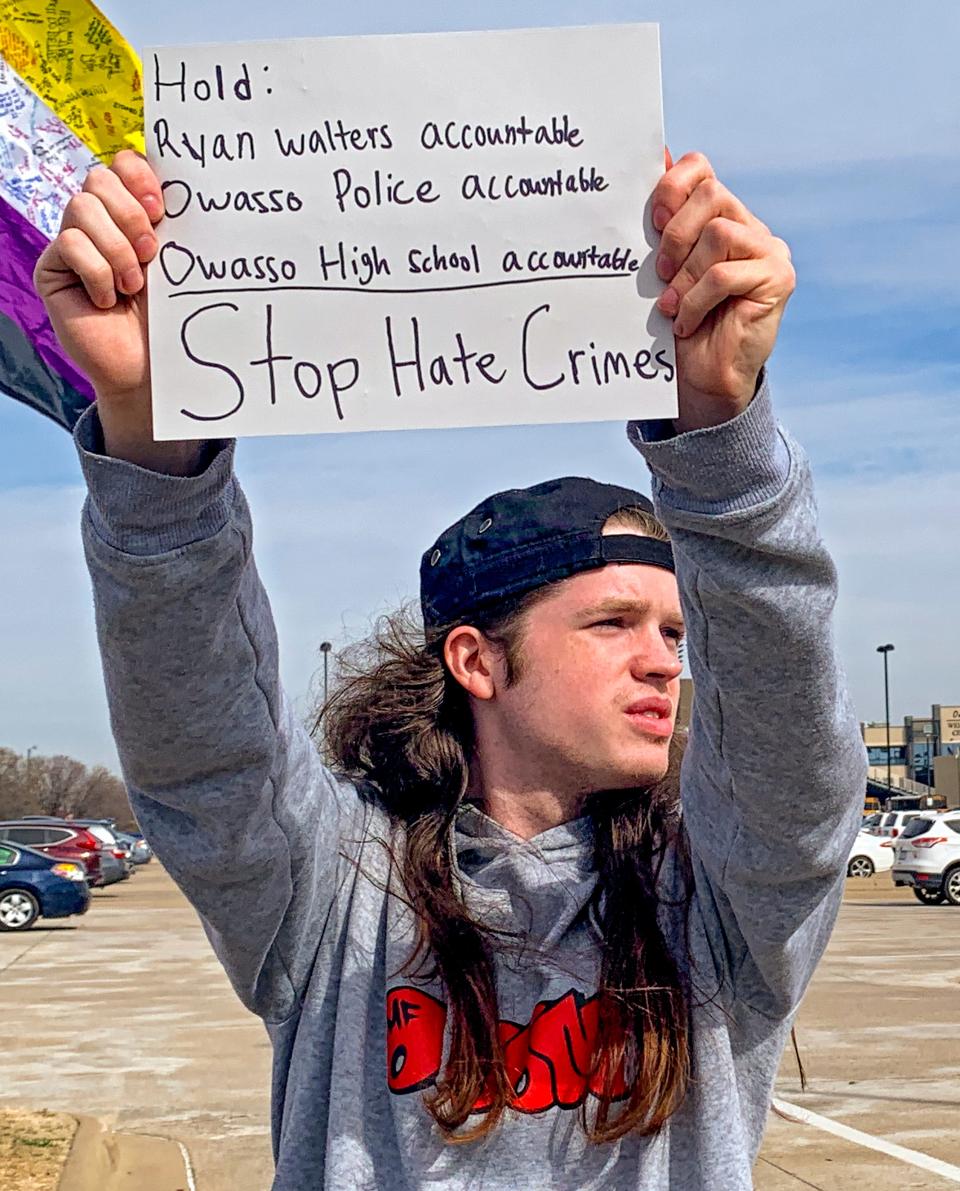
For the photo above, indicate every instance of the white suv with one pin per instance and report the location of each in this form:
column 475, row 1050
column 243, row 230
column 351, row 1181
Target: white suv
column 893, row 822
column 928, row 857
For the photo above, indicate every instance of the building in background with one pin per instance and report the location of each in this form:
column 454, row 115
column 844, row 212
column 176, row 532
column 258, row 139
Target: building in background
column 946, row 728
column 924, row 752
column 875, row 739
column 920, row 743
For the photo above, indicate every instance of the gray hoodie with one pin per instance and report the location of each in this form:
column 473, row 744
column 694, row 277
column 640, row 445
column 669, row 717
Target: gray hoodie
column 288, row 866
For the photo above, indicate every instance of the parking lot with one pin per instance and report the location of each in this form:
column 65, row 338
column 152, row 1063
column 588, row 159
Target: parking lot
column 126, row 1015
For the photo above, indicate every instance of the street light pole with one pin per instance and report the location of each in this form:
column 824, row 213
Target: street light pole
column 885, row 649
column 31, row 749
column 325, row 648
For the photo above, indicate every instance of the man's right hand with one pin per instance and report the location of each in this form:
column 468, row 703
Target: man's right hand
column 92, row 282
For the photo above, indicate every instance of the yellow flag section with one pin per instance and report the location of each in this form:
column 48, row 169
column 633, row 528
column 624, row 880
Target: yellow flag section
column 76, row 61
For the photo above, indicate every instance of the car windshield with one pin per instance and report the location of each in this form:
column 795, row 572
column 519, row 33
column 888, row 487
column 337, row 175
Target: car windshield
column 918, row 826
column 872, row 820
column 890, row 819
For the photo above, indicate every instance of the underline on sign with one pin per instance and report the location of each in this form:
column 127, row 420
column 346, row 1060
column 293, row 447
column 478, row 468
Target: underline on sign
column 370, row 289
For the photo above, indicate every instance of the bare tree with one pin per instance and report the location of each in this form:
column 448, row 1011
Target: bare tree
column 105, row 797
column 11, row 783
column 34, row 786
column 60, row 786
column 66, row 785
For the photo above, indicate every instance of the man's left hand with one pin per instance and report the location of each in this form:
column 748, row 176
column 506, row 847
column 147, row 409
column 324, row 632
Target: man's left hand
column 729, row 280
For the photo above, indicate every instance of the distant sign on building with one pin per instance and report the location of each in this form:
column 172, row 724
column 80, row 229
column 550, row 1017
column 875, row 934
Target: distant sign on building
column 949, row 718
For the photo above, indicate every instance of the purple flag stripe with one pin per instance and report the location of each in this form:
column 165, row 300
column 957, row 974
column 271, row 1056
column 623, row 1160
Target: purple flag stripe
column 25, row 377
column 20, row 245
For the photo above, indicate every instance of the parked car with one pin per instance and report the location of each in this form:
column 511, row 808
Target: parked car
column 105, row 834
column 60, row 839
column 139, row 850
column 870, row 854
column 895, row 821
column 34, row 885
column 928, row 858
column 113, row 869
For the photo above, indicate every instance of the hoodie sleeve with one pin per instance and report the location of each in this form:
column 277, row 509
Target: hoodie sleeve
column 225, row 783
column 775, row 770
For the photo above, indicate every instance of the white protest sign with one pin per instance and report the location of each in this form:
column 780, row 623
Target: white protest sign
column 411, row 231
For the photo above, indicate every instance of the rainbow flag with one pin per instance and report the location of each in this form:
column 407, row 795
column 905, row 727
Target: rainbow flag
column 71, row 96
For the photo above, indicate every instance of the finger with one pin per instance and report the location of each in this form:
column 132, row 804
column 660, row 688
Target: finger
column 135, row 172
column 86, row 214
column 721, row 240
column 126, row 211
column 74, row 257
column 676, row 185
column 667, row 157
column 710, row 200
column 767, row 283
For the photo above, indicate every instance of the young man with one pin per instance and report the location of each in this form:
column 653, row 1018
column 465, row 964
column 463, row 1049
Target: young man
column 494, row 927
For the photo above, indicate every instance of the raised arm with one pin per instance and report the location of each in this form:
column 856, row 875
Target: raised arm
column 224, row 781
column 92, row 282
column 775, row 771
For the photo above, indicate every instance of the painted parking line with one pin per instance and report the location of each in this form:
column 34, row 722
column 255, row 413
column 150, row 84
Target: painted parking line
column 913, row 1157
column 188, row 1167
column 26, row 951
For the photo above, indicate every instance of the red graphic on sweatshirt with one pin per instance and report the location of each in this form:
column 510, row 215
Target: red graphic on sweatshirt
column 415, row 1022
column 548, row 1060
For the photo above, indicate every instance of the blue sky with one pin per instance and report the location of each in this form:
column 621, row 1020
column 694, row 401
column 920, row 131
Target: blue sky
column 839, row 126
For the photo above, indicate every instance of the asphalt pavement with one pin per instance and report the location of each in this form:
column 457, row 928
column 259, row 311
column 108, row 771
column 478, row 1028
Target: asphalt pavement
column 125, row 1015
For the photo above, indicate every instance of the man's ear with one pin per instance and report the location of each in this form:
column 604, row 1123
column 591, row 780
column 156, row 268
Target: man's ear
column 473, row 661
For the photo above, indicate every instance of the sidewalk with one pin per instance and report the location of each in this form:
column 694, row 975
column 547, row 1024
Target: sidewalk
column 101, row 1160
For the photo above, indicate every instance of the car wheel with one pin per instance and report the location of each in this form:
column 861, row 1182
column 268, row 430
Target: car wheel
column 19, row 909
column 951, row 886
column 929, row 897
column 860, row 866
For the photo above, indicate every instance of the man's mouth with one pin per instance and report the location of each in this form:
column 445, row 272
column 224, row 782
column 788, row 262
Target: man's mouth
column 652, row 715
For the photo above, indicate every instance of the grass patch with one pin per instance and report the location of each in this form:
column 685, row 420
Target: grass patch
column 33, row 1148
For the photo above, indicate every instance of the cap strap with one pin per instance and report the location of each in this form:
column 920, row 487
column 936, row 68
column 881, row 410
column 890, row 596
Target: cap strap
column 634, row 547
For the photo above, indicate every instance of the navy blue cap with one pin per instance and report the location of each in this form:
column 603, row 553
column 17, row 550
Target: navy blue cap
column 521, row 539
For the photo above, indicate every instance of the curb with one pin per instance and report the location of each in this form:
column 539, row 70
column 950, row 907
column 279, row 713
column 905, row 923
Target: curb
column 101, row 1160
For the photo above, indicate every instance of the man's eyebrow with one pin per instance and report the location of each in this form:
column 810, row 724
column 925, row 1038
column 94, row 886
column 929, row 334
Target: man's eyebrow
column 614, row 607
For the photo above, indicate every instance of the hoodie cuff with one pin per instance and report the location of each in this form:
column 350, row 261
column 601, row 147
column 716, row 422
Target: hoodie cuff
column 144, row 512
column 729, row 468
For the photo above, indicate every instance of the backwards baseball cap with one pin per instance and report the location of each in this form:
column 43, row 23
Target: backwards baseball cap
column 523, row 538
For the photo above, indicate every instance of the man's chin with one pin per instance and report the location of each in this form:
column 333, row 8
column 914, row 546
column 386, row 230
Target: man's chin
column 639, row 775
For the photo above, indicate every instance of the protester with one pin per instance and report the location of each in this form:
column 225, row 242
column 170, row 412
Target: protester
column 506, row 941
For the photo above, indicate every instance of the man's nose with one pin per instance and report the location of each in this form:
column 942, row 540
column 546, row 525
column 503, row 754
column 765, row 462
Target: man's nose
column 656, row 657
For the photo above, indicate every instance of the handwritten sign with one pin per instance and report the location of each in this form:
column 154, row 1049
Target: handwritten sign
column 413, row 231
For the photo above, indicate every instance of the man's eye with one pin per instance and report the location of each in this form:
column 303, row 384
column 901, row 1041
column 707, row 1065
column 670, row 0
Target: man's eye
column 615, row 622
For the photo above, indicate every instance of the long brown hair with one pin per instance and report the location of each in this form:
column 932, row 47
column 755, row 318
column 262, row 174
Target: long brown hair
column 400, row 721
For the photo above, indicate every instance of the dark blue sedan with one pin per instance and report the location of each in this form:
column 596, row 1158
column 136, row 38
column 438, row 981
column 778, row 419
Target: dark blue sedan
column 34, row 885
